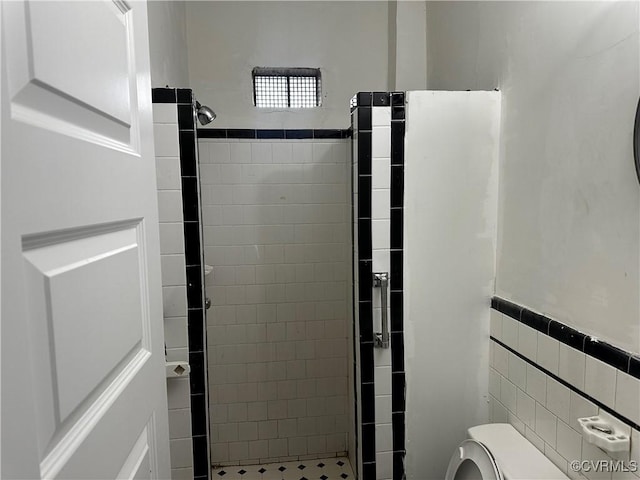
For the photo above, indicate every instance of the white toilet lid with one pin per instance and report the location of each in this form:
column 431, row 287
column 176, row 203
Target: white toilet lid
column 472, row 460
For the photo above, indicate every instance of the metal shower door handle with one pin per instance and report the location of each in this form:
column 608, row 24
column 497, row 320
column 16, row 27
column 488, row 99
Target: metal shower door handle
column 381, row 280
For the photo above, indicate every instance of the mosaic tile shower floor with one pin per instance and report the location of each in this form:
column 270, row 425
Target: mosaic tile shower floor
column 320, row 469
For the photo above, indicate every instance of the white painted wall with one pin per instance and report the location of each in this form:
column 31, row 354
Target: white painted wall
column 569, row 212
column 168, row 43
column 346, row 40
column 451, row 175
column 411, row 46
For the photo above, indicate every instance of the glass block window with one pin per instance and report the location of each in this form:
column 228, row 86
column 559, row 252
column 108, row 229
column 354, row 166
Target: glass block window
column 286, row 87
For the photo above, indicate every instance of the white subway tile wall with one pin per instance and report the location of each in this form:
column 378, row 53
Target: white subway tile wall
column 545, row 410
column 174, row 293
column 276, row 231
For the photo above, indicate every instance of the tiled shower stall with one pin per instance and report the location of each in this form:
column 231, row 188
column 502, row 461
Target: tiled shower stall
column 276, row 231
column 296, row 226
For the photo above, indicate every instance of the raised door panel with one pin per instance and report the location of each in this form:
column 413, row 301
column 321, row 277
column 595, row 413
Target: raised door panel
column 88, row 316
column 75, row 75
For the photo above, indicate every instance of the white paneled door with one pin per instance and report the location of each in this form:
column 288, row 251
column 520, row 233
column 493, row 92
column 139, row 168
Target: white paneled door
column 83, row 391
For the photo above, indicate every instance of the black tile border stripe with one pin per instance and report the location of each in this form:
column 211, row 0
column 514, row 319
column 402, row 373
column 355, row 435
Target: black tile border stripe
column 398, row 377
column 163, row 95
column 186, row 117
column 201, row 463
column 364, row 153
column 187, row 138
column 381, row 99
column 364, row 99
column 364, row 118
column 188, row 164
column 172, row 95
column 634, row 367
column 190, row 200
column 197, row 383
column 368, row 407
column 286, row 134
column 269, row 134
column 614, row 356
column 609, row 354
column 369, row 445
column 362, row 294
column 368, row 470
column 194, row 286
column 571, row 387
column 184, row 95
column 355, row 343
column 397, row 141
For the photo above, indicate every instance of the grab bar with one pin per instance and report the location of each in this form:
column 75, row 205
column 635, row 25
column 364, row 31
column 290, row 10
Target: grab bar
column 381, row 280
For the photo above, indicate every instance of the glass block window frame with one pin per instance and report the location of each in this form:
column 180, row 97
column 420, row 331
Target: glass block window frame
column 286, row 87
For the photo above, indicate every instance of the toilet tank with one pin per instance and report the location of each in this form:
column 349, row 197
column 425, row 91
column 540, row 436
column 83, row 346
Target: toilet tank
column 516, row 457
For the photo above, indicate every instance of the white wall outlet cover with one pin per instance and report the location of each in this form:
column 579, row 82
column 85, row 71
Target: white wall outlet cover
column 606, row 432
